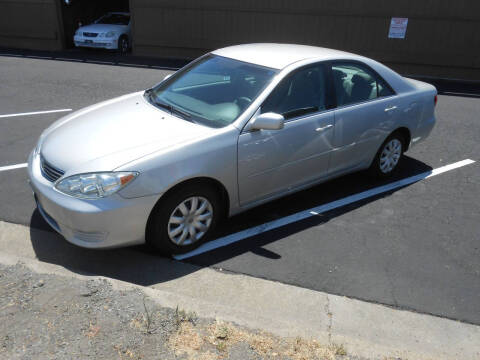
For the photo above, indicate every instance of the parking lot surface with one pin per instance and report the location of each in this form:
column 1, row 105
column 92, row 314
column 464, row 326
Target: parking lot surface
column 414, row 247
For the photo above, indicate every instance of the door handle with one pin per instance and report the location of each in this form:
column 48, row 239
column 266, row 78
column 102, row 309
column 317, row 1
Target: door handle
column 326, row 127
column 390, row 108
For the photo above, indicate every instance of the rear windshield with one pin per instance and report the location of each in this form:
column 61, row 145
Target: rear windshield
column 114, row 19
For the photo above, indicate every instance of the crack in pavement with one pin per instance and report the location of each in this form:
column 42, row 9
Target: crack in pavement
column 392, row 286
column 330, row 319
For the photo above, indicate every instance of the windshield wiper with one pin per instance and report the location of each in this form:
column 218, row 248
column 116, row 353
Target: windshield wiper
column 170, row 108
column 148, row 94
column 183, row 114
column 162, row 105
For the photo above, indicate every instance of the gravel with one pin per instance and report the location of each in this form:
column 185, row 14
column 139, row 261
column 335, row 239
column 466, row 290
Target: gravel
column 56, row 317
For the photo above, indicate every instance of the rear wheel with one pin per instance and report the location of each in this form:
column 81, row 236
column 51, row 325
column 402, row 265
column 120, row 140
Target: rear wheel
column 388, row 156
column 184, row 220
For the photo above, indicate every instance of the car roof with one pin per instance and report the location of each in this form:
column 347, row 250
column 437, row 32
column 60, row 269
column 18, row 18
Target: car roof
column 279, row 56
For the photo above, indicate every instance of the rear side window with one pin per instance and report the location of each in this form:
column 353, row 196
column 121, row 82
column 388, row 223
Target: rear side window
column 300, row 93
column 355, row 83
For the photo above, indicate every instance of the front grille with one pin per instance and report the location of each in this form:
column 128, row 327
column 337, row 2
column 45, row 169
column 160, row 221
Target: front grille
column 49, row 172
column 89, row 34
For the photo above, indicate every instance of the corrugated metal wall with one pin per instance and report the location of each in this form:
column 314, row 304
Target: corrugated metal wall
column 443, row 36
column 31, row 24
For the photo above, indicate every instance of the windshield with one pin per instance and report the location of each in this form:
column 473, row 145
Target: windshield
column 114, row 19
column 213, row 91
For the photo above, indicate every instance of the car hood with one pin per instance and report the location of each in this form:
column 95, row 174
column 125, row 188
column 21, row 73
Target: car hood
column 105, row 136
column 100, row 28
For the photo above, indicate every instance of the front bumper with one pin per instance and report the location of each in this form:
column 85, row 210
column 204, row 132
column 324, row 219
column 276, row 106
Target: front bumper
column 104, row 223
column 104, row 43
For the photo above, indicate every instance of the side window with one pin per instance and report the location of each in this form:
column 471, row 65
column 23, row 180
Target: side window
column 355, row 83
column 300, row 93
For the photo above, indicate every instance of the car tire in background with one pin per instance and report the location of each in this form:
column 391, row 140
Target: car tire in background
column 192, row 210
column 389, row 156
column 123, row 44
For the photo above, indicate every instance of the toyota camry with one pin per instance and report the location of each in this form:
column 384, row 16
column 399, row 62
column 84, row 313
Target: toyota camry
column 235, row 128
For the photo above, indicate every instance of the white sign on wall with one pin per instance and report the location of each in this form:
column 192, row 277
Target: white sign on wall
column 398, row 28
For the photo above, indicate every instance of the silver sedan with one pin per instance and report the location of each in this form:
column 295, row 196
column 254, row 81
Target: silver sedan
column 233, row 129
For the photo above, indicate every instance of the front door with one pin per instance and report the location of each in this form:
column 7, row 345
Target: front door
column 275, row 161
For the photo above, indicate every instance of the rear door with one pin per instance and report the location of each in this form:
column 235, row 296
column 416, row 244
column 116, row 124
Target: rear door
column 366, row 112
column 274, row 161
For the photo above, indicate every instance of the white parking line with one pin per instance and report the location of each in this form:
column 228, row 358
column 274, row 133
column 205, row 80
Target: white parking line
column 13, row 167
column 241, row 235
column 35, row 113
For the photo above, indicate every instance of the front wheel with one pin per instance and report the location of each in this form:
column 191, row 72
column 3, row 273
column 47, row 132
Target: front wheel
column 183, row 220
column 123, row 45
column 388, row 156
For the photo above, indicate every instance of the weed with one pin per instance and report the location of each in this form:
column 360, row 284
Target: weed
column 183, row 316
column 221, row 333
column 339, row 349
column 221, row 346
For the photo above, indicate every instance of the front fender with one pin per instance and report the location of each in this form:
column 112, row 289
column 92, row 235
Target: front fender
column 212, row 157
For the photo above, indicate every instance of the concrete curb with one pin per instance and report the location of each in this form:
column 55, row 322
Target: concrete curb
column 365, row 329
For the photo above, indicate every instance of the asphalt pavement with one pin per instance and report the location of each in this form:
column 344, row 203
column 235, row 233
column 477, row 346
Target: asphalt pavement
column 416, row 247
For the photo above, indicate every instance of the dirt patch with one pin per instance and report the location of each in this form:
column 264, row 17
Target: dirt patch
column 54, row 317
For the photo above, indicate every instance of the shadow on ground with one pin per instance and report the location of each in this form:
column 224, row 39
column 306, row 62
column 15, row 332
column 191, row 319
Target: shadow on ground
column 140, row 266
column 134, row 264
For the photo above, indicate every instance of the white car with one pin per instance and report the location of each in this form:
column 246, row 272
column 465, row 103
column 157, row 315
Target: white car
column 233, row 129
column 111, row 31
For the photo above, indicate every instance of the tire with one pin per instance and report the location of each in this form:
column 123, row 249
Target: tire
column 123, row 45
column 163, row 233
column 388, row 157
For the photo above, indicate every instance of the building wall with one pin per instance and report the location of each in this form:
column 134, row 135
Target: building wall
column 442, row 40
column 443, row 36
column 30, row 24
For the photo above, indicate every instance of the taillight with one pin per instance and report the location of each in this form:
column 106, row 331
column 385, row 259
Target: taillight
column 436, row 100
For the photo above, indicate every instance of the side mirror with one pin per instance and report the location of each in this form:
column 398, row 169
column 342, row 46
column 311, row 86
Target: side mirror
column 267, row 121
column 166, row 77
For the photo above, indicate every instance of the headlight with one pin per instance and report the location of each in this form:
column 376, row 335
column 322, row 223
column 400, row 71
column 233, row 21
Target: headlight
column 95, row 185
column 110, row 34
